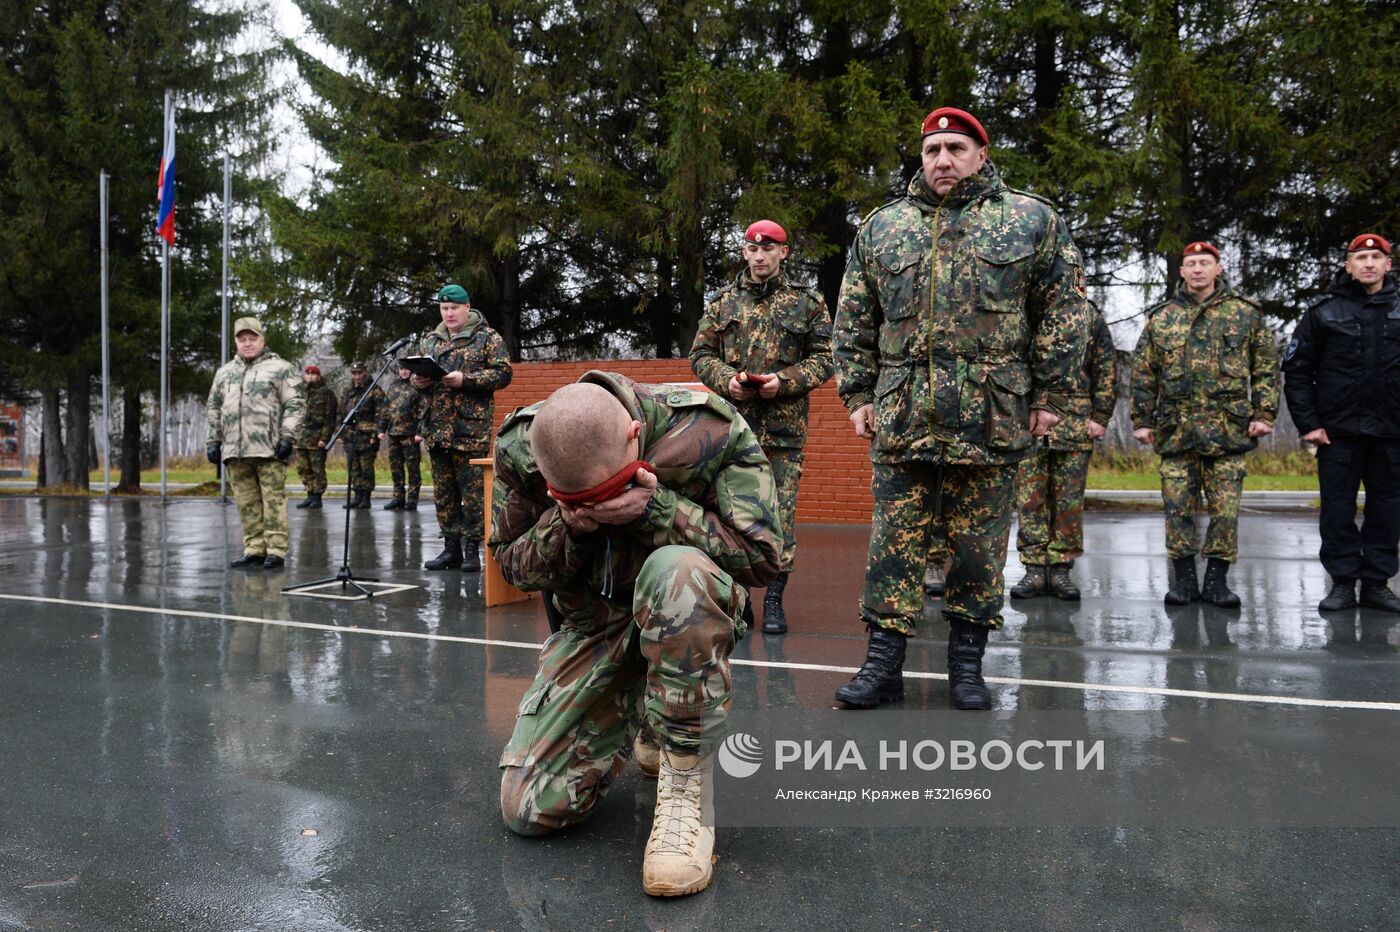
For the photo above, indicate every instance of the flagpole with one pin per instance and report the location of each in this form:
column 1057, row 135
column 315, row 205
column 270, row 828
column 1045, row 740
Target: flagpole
column 223, row 321
column 106, row 368
column 164, row 336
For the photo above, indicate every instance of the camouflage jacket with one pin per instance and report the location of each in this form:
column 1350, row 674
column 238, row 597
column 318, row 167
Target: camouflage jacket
column 366, row 422
column 320, row 420
column 253, row 404
column 956, row 317
column 715, row 492
column 460, row 418
column 403, row 410
column 762, row 327
column 1202, row 372
column 1100, row 393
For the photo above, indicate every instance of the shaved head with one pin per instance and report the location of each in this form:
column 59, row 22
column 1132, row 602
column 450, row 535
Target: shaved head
column 581, row 436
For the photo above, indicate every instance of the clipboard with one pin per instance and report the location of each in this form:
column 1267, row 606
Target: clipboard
column 425, row 366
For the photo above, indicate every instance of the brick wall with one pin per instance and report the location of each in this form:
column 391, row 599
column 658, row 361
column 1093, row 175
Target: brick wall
column 835, row 480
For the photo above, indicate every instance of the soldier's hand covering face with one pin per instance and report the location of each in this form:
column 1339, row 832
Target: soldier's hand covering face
column 949, row 158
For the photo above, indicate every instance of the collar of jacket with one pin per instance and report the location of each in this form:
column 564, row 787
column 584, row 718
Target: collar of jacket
column 474, row 320
column 1347, row 287
column 975, row 187
column 1221, row 292
column 764, row 288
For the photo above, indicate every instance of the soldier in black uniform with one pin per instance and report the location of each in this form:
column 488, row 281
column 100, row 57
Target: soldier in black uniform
column 1342, row 381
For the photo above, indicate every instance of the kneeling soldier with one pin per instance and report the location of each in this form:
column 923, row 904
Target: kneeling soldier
column 647, row 512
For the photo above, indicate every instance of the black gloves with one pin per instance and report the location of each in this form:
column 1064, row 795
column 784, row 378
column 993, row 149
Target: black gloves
column 213, row 451
column 283, row 450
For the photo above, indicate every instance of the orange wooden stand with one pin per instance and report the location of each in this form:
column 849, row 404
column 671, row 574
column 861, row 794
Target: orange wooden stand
column 497, row 590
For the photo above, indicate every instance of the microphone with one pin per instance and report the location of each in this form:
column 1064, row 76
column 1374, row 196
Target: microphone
column 397, row 346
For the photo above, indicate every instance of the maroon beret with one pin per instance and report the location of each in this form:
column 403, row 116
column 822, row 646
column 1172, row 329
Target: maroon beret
column 1195, row 249
column 313, row 370
column 953, row 120
column 1369, row 241
column 765, row 231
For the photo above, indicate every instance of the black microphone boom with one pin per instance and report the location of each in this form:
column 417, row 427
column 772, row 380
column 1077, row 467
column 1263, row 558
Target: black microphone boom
column 397, row 346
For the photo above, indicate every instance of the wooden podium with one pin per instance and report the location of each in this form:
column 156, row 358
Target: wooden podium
column 497, row 590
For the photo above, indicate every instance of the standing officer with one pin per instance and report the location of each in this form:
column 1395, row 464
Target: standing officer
column 647, row 512
column 361, row 438
column 401, row 426
column 458, row 422
column 766, row 343
column 316, row 429
column 960, row 336
column 1342, row 379
column 255, row 409
column 1204, row 390
column 1050, row 486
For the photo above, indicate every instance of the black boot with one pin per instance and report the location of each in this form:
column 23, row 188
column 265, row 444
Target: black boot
column 351, row 501
column 306, row 502
column 1032, row 584
column 395, row 503
column 249, row 560
column 364, row 499
column 450, row 558
column 1183, row 590
column 774, row 618
column 1061, row 585
column 1214, row 590
column 411, row 504
column 471, row 556
column 966, row 645
column 880, row 678
column 1341, row 598
column 315, row 501
column 1378, row 595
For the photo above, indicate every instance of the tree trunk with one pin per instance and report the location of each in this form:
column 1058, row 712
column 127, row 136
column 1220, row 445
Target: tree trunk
column 55, row 464
column 1049, row 84
column 130, row 457
column 663, row 310
column 690, row 280
column 508, row 286
column 79, row 422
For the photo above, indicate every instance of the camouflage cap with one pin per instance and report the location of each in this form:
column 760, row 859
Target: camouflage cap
column 247, row 323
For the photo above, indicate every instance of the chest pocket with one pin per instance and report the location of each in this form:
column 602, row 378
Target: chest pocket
column 792, row 341
column 1003, row 276
column 900, row 302
column 1234, row 359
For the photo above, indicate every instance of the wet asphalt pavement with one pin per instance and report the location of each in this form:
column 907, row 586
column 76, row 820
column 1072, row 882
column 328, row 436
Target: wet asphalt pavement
column 174, row 767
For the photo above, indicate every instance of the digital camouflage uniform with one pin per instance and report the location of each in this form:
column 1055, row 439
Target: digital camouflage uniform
column 363, row 433
column 1050, row 484
column 1201, row 373
column 651, row 612
column 401, row 420
column 762, row 327
column 957, row 316
column 252, row 405
column 316, row 428
column 457, row 426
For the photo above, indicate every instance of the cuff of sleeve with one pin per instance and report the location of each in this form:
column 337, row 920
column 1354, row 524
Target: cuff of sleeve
column 661, row 512
column 1263, row 418
column 857, row 401
column 1102, row 417
column 1054, row 402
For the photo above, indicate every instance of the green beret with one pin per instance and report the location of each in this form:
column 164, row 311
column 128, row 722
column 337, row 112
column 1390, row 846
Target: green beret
column 455, row 294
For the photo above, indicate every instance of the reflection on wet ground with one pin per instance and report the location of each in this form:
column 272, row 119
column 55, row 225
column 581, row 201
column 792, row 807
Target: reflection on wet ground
column 189, row 770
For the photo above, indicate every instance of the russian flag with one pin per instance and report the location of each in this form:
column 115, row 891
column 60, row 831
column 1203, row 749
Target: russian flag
column 165, row 222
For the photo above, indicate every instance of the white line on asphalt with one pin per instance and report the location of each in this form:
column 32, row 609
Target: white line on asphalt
column 782, row 665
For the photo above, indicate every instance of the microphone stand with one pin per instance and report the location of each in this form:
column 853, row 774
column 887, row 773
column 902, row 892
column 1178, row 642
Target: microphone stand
column 345, row 577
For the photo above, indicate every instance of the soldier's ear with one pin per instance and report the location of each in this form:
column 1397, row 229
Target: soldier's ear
column 634, row 430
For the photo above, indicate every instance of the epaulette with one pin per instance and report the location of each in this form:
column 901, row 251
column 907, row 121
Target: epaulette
column 1158, row 306
column 1247, row 300
column 1035, row 197
column 892, row 201
column 1320, row 300
column 679, row 397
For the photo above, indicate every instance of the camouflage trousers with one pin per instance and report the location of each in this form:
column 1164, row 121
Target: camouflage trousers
column 976, row 518
column 659, row 659
column 459, row 492
column 310, row 463
column 1185, row 478
column 260, row 491
column 361, row 462
column 405, row 456
column 787, row 475
column 1050, row 501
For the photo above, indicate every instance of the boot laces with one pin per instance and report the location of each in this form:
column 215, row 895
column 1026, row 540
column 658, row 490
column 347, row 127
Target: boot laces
column 677, row 822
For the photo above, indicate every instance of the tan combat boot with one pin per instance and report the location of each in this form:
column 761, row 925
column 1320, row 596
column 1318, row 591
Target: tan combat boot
column 679, row 858
column 647, row 750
